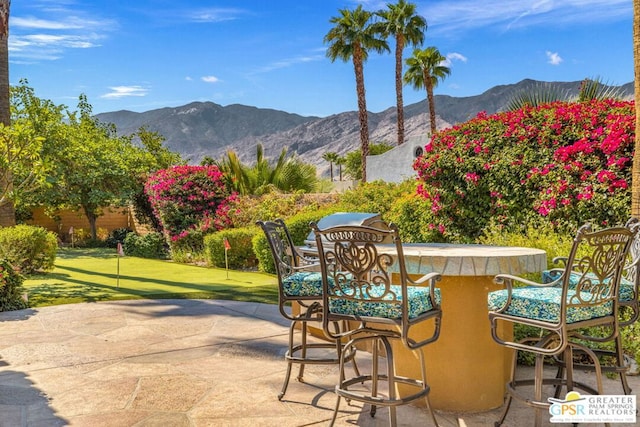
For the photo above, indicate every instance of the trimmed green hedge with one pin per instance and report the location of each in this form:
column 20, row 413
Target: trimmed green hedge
column 28, row 248
column 240, row 255
column 298, row 226
column 11, row 288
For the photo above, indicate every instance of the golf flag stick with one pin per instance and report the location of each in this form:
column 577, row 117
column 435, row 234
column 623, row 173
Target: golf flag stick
column 227, row 246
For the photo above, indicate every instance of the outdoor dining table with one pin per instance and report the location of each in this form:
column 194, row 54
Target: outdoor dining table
column 466, row 370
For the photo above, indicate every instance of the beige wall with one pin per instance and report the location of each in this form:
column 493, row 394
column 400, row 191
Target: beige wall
column 111, row 219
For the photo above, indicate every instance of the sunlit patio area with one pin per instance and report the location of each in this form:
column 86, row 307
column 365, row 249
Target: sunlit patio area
column 177, row 363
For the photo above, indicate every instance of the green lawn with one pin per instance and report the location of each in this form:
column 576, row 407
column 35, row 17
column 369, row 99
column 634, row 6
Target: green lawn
column 86, row 275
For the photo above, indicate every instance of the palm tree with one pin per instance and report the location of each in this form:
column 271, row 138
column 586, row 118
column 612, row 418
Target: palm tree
column 340, row 161
column 635, row 184
column 401, row 21
column 330, row 157
column 426, row 69
column 352, row 38
column 7, row 212
column 287, row 174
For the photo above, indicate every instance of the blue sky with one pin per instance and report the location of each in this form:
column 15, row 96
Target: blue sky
column 146, row 54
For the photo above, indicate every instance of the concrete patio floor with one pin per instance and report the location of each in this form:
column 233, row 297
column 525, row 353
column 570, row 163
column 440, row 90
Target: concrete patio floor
column 177, row 363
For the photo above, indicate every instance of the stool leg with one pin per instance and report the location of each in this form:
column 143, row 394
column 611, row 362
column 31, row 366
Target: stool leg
column 423, row 371
column 509, row 397
column 288, row 356
column 538, row 372
column 374, row 375
column 391, row 376
column 303, row 350
column 620, row 361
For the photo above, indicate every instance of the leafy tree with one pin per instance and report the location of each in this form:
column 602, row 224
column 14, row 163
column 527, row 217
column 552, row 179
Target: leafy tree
column 153, row 156
column 352, row 38
column 426, row 69
column 401, row 21
column 330, row 157
column 353, row 160
column 287, row 174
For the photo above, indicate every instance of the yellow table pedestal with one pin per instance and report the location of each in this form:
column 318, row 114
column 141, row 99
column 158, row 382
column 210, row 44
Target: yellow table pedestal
column 466, row 370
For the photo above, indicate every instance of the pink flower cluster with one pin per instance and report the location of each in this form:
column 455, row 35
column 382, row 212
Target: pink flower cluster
column 189, row 198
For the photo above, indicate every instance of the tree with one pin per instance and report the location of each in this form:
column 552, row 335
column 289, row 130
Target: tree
column 400, row 20
column 7, row 213
column 330, row 157
column 340, row 162
column 426, row 69
column 353, row 160
column 353, row 37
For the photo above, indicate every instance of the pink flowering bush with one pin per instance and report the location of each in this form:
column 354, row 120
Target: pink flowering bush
column 564, row 163
column 189, row 202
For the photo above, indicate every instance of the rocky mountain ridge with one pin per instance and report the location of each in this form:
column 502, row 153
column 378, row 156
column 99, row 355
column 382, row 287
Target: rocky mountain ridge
column 203, row 129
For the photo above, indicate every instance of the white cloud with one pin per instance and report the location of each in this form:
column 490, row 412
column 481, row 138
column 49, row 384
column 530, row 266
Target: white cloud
column 453, row 56
column 210, row 79
column 48, row 35
column 462, row 15
column 214, row 14
column 124, row 91
column 554, row 58
column 286, row 63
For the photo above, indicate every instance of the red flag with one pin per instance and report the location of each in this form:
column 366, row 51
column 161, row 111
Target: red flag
column 227, row 246
column 120, row 250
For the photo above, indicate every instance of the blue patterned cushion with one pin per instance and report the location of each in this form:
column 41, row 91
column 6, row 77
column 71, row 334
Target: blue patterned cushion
column 625, row 291
column 303, row 284
column 418, row 303
column 544, row 304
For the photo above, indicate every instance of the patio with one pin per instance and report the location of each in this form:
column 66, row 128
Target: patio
column 175, row 363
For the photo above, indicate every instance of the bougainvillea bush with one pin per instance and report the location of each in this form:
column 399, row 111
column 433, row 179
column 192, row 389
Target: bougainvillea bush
column 564, row 163
column 189, row 201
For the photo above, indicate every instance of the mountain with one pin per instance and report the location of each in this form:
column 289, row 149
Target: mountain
column 203, row 129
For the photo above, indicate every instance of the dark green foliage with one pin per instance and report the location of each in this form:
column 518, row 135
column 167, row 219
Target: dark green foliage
column 299, row 229
column 11, row 292
column 117, row 236
column 151, row 245
column 28, row 248
column 240, row 255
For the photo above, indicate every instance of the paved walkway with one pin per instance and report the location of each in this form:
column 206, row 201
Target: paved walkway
column 175, row 363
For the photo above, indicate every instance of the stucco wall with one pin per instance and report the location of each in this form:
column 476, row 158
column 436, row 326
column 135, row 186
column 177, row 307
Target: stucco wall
column 395, row 165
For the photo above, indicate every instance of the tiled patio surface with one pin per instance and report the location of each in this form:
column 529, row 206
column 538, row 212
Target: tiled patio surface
column 176, row 363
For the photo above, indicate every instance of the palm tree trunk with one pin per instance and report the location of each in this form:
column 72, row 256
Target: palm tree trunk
column 362, row 109
column 399, row 100
column 7, row 211
column 635, row 176
column 432, row 108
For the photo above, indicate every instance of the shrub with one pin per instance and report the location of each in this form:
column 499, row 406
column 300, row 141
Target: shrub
column 564, row 162
column 28, row 248
column 11, row 293
column 375, row 197
column 151, row 245
column 117, row 236
column 239, row 256
column 298, row 226
column 189, row 201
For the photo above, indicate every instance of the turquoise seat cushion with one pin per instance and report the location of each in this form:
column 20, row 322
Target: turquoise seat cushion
column 625, row 292
column 544, row 304
column 303, row 284
column 418, row 303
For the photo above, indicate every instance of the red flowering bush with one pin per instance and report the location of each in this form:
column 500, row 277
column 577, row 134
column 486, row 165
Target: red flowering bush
column 563, row 162
column 189, row 201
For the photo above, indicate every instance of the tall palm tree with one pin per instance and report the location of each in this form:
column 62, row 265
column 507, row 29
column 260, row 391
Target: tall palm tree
column 426, row 69
column 400, row 20
column 330, row 157
column 352, row 38
column 7, row 212
column 635, row 184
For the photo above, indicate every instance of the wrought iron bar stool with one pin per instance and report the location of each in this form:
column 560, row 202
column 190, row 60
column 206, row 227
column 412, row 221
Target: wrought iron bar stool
column 358, row 289
column 629, row 311
column 562, row 310
column 299, row 283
